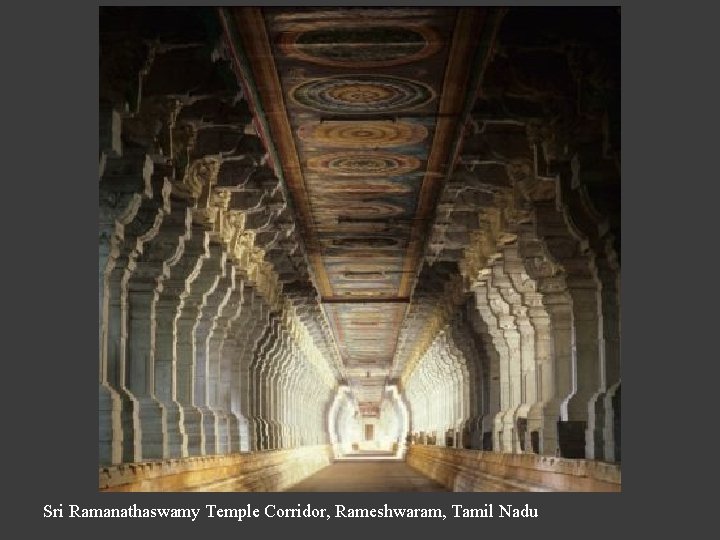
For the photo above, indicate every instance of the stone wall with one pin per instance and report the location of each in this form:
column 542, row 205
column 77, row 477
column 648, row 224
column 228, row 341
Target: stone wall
column 272, row 470
column 475, row 470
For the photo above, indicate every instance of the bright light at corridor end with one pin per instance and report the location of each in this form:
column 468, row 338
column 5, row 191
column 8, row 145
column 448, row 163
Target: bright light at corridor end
column 354, row 436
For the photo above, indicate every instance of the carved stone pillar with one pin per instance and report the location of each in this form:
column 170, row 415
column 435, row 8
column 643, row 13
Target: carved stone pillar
column 274, row 359
column 491, row 403
column 475, row 373
column 551, row 316
column 252, row 340
column 125, row 184
column 279, row 378
column 590, row 171
column 583, row 287
column 283, row 398
column 527, row 306
column 563, row 330
column 138, row 413
column 214, row 271
column 201, row 279
column 175, row 231
column 258, row 366
column 142, row 295
column 223, row 352
column 214, row 340
column 496, row 315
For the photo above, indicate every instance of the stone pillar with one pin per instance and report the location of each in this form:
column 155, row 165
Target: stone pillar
column 265, row 367
column 495, row 314
column 213, row 301
column 201, row 280
column 252, row 341
column 612, row 423
column 280, row 395
column 551, row 317
column 461, row 339
column 244, row 331
column 460, row 349
column 140, row 354
column 294, row 404
column 611, row 334
column 546, row 432
column 126, row 182
column 274, row 360
column 591, row 170
column 520, row 293
column 138, row 412
column 584, row 293
column 284, row 400
column 491, row 403
column 223, row 352
column 215, row 338
column 569, row 252
column 177, row 270
column 257, row 379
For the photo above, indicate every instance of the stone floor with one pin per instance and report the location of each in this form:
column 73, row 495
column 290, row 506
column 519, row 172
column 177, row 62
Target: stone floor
column 367, row 476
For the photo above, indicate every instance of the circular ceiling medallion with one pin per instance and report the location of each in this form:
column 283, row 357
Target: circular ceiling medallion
column 362, row 209
column 363, row 164
column 364, row 293
column 375, row 276
column 360, row 256
column 377, row 187
column 362, row 94
column 365, row 242
column 362, row 134
column 360, row 45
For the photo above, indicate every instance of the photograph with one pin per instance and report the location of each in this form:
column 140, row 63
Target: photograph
column 359, row 249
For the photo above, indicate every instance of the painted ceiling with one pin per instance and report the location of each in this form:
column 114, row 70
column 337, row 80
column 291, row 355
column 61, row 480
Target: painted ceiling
column 362, row 105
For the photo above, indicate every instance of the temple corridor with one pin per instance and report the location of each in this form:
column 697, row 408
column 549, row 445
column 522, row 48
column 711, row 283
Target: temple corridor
column 359, row 249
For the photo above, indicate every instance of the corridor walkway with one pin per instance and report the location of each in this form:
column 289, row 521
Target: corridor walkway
column 365, row 476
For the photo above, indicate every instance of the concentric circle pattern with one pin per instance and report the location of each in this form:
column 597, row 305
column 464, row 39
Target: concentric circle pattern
column 366, row 242
column 363, row 164
column 365, row 187
column 362, row 134
column 362, row 209
column 366, row 94
column 360, row 45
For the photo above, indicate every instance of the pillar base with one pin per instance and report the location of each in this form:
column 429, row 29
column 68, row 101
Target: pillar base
column 151, row 415
column 542, row 427
column 244, row 428
column 210, row 431
column 110, row 427
column 260, row 436
column 130, row 421
column 594, row 437
column 611, row 427
column 274, row 434
column 520, row 422
column 571, row 438
column 193, row 424
column 487, row 428
column 176, row 437
column 573, row 443
column 505, row 433
column 223, row 444
column 233, row 433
